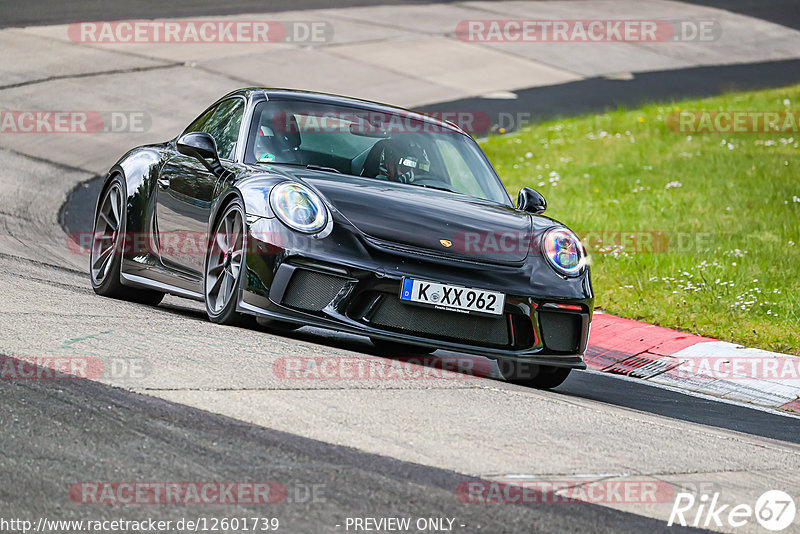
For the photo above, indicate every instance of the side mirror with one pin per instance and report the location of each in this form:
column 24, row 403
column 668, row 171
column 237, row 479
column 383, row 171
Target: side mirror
column 202, row 146
column 531, row 200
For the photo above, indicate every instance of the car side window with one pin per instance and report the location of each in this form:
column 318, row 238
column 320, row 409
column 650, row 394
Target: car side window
column 199, row 122
column 222, row 123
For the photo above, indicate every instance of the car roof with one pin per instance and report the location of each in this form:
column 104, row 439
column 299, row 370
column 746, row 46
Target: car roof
column 327, row 98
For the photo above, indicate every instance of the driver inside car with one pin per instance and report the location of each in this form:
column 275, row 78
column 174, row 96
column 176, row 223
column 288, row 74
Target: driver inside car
column 402, row 161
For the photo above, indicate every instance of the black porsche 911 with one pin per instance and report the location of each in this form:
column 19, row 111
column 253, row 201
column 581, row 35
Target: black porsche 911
column 300, row 208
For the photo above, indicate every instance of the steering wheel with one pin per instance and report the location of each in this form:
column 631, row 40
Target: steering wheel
column 425, row 179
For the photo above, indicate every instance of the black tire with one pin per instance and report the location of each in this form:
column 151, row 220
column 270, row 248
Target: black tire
column 221, row 303
column 105, row 258
column 397, row 348
column 532, row 375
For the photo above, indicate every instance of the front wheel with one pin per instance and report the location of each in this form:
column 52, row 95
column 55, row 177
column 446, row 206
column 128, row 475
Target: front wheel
column 532, row 375
column 105, row 258
column 224, row 266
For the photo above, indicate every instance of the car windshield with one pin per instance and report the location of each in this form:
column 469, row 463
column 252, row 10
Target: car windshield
column 397, row 147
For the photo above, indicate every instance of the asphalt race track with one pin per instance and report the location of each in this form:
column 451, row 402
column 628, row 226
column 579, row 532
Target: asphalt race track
column 181, row 399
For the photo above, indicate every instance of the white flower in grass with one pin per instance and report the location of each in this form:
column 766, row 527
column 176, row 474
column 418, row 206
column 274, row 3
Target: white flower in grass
column 735, row 252
column 674, row 184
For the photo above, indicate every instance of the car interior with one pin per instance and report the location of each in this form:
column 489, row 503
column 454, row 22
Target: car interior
column 322, row 138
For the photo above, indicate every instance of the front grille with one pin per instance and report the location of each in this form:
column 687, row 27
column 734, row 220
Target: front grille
column 448, row 257
column 312, row 290
column 560, row 331
column 450, row 326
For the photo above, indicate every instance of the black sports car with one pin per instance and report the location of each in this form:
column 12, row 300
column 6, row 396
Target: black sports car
column 301, row 208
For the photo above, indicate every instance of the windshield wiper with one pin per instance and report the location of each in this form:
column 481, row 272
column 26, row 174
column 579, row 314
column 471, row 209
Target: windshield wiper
column 323, row 168
column 437, row 187
column 312, row 166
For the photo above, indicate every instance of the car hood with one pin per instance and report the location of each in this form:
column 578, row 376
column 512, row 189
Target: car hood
column 426, row 219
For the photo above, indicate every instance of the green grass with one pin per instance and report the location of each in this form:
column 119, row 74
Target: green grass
column 732, row 266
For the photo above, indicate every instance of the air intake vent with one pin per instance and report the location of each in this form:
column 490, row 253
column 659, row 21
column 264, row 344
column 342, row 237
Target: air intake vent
column 450, row 326
column 560, row 331
column 312, row 290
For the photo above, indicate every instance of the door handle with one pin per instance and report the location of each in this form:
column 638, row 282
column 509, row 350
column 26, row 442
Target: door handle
column 163, row 183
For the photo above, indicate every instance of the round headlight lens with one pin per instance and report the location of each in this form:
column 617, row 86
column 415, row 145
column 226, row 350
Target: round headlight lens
column 564, row 251
column 298, row 207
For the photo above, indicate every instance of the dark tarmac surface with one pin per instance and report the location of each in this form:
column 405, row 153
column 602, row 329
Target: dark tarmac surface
column 60, row 434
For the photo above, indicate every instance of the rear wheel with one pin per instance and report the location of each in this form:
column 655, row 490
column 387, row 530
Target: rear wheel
column 399, row 348
column 106, row 254
column 532, row 375
column 224, row 266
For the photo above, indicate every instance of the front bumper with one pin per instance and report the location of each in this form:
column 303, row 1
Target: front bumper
column 350, row 283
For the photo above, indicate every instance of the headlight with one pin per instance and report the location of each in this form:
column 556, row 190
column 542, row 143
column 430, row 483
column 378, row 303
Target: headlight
column 564, row 251
column 298, row 207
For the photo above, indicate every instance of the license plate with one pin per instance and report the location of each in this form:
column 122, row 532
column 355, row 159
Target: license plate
column 452, row 298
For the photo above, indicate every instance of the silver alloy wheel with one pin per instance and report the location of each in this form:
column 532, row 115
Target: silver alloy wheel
column 224, row 259
column 105, row 241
